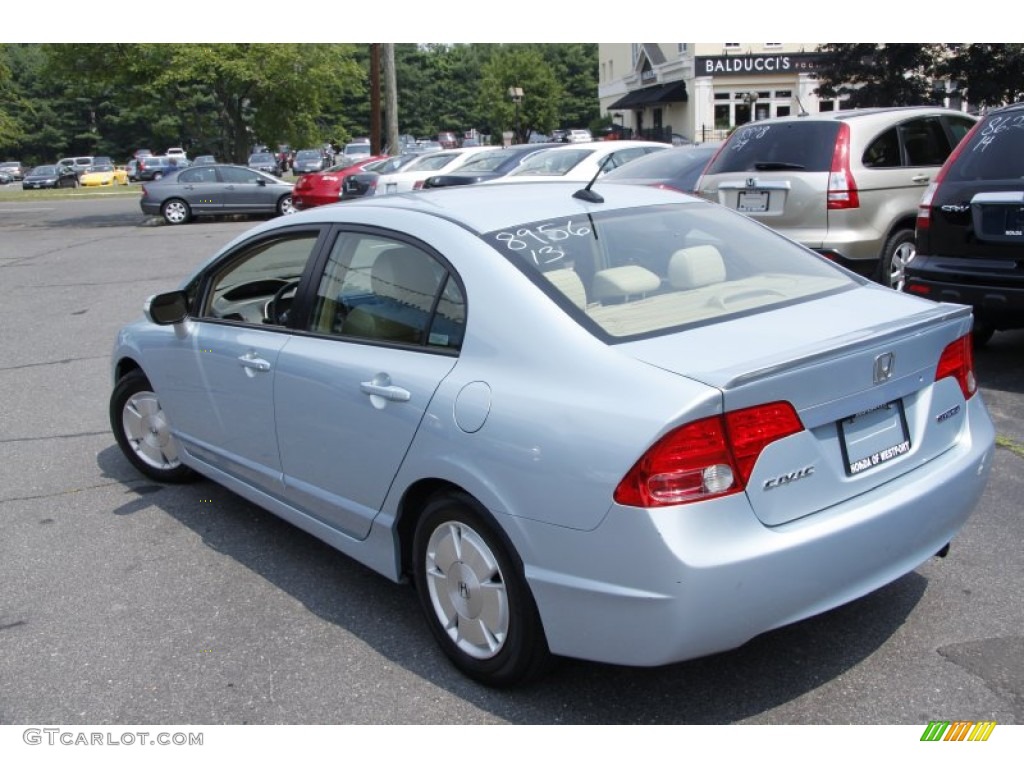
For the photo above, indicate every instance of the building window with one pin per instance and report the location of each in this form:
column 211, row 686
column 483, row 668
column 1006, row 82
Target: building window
column 635, row 53
column 732, row 46
column 773, row 45
column 681, row 47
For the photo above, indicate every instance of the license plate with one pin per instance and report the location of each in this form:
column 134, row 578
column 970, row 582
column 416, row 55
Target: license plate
column 752, row 202
column 874, row 437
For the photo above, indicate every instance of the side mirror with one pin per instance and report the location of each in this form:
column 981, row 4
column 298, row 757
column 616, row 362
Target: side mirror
column 166, row 308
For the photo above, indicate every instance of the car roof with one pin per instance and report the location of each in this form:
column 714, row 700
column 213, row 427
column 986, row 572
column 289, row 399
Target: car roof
column 862, row 113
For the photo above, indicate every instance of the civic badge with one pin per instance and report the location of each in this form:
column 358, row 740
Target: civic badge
column 884, row 366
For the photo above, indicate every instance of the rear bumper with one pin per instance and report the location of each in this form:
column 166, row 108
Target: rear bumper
column 647, row 588
column 994, row 288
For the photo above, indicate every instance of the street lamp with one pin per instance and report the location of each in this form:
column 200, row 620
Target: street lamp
column 516, row 94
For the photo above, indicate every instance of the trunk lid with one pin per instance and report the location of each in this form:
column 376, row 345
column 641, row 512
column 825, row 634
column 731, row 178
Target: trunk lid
column 867, row 398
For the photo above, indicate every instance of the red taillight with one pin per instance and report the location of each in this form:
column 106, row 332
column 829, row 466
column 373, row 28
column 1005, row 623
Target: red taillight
column 417, row 185
column 842, row 189
column 705, row 459
column 957, row 360
column 924, row 208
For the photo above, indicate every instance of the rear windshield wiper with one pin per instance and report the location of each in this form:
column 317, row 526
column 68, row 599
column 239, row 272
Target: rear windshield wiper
column 779, row 166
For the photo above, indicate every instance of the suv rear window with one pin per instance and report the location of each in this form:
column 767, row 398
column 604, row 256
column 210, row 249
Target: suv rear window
column 801, row 146
column 993, row 151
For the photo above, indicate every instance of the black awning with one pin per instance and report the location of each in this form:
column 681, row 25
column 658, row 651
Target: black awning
column 655, row 94
column 671, row 92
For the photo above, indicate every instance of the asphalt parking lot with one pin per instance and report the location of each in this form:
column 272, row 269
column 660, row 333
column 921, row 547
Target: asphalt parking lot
column 125, row 602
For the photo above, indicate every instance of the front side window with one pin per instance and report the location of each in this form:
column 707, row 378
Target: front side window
column 258, row 285
column 647, row 271
column 230, row 174
column 379, row 289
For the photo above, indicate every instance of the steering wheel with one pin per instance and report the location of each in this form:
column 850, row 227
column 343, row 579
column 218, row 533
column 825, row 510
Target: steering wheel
column 276, row 310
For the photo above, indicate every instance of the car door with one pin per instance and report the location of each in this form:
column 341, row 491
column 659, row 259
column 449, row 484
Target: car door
column 201, row 189
column 245, row 191
column 384, row 329
column 219, row 387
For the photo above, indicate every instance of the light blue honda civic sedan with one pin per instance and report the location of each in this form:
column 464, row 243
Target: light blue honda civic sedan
column 615, row 423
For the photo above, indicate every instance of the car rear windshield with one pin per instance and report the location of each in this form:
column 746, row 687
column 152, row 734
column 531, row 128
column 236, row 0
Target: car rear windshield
column 647, row 271
column 307, row 154
column 797, row 145
column 995, row 151
column 262, row 158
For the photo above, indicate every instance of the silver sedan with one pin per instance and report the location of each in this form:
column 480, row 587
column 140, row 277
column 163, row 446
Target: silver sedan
column 214, row 190
column 613, row 423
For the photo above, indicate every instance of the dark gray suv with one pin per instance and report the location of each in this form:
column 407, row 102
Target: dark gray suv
column 970, row 226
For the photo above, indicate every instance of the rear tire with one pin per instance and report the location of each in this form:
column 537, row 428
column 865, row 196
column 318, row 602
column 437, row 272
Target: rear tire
column 176, row 211
column 981, row 334
column 474, row 596
column 898, row 251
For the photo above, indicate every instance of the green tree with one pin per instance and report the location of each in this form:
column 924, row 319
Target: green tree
column 575, row 67
column 519, row 66
column 224, row 96
column 985, row 74
column 880, row 74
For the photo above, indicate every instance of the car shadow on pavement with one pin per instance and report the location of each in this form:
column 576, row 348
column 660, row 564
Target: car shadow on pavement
column 767, row 672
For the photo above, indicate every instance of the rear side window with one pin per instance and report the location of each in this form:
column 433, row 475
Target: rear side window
column 925, row 141
column 797, row 146
column 996, row 151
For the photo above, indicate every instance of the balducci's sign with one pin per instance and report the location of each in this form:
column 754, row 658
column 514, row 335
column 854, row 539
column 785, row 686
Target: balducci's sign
column 760, row 64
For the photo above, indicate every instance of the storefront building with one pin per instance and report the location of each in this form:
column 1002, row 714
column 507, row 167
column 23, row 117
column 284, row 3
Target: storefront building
column 699, row 91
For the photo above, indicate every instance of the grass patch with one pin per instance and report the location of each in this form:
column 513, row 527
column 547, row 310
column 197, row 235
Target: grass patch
column 1011, row 445
column 13, row 193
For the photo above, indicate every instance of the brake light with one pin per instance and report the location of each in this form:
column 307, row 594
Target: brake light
column 707, row 458
column 924, row 208
column 957, row 360
column 842, row 189
column 417, row 184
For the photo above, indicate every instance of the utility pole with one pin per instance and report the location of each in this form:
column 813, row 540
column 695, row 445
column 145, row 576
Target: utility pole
column 391, row 98
column 375, row 98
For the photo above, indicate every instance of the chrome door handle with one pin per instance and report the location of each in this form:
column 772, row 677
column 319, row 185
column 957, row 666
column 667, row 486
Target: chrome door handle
column 920, row 179
column 387, row 391
column 254, row 362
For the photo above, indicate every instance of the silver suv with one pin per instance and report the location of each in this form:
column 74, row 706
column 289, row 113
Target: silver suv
column 846, row 184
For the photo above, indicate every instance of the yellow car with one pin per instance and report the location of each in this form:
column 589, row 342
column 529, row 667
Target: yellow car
column 105, row 178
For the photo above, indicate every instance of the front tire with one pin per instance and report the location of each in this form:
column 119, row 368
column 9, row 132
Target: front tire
column 474, row 596
column 898, row 251
column 143, row 431
column 176, row 212
column 285, row 205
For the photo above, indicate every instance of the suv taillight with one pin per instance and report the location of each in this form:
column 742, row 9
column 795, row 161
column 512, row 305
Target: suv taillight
column 924, row 208
column 842, row 189
column 957, row 360
column 706, row 459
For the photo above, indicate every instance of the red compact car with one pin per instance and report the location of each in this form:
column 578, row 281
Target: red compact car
column 313, row 189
